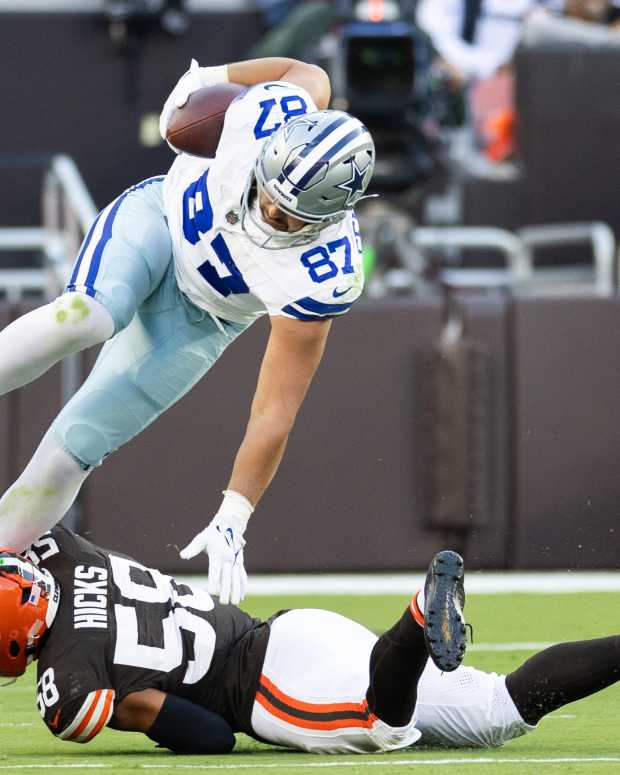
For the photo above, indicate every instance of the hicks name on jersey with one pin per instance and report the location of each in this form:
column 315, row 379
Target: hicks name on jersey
column 90, row 597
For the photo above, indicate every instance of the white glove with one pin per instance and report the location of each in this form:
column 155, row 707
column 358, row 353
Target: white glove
column 192, row 80
column 223, row 541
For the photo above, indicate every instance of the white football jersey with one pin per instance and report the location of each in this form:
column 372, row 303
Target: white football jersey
column 217, row 266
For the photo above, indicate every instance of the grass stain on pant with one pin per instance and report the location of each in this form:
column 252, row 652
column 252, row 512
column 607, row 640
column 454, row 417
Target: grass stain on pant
column 24, row 497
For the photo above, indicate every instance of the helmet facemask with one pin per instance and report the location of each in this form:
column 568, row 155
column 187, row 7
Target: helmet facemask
column 28, row 603
column 261, row 233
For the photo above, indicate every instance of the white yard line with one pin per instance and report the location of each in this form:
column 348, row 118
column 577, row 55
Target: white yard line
column 361, row 762
column 358, row 762
column 476, row 582
column 516, row 646
column 9, row 725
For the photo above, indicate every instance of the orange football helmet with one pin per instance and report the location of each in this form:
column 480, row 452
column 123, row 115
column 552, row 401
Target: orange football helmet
column 28, row 603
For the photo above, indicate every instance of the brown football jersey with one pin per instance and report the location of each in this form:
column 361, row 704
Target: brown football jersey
column 122, row 627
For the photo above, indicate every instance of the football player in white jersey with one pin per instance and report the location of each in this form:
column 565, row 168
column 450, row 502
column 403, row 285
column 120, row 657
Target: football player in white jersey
column 179, row 265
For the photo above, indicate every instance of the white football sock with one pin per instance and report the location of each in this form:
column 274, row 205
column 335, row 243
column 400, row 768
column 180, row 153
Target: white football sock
column 420, row 599
column 36, row 341
column 41, row 496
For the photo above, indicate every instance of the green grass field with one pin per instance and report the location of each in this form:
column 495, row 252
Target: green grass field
column 580, row 738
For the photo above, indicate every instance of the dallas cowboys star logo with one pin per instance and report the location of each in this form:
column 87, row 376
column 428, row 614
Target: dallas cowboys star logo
column 356, row 184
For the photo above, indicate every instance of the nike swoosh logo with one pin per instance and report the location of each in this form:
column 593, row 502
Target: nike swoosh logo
column 228, row 536
column 341, row 293
column 55, row 720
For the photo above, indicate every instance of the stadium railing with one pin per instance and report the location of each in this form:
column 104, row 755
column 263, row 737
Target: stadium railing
column 517, row 249
column 68, row 210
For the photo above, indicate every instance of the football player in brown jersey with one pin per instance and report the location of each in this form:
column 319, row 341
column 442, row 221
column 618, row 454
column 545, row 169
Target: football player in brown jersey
column 126, row 646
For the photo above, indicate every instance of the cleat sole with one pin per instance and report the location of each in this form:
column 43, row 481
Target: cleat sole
column 444, row 628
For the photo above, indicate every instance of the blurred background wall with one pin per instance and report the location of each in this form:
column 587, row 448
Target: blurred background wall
column 470, row 396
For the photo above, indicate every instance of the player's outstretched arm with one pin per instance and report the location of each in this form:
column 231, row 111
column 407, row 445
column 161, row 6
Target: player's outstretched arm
column 293, row 353
column 174, row 723
column 292, row 356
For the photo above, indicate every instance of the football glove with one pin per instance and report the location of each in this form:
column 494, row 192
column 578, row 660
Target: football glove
column 192, row 80
column 223, row 542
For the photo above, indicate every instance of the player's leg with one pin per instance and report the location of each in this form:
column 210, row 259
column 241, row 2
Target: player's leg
column 396, row 664
column 311, row 692
column 400, row 655
column 466, row 708
column 162, row 354
column 562, row 674
column 472, row 708
column 166, row 349
column 33, row 343
column 329, row 685
column 42, row 494
column 122, row 262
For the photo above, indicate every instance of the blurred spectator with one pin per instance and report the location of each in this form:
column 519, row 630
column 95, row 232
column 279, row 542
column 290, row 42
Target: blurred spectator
column 474, row 38
column 589, row 22
column 475, row 41
column 597, row 11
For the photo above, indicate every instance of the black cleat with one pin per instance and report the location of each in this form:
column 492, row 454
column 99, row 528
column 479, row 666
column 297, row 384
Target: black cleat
column 444, row 599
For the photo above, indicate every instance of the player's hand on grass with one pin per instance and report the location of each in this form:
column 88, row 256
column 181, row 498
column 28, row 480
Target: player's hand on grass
column 223, row 542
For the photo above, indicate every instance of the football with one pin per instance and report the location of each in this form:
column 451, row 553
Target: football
column 197, row 126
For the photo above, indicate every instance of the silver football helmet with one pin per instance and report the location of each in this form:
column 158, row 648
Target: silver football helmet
column 315, row 168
